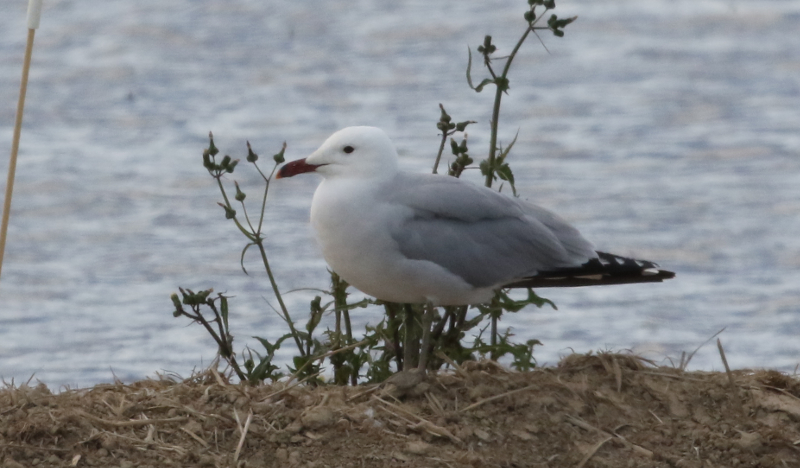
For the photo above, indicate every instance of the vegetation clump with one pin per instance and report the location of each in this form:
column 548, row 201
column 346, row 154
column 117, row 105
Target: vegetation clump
column 456, row 334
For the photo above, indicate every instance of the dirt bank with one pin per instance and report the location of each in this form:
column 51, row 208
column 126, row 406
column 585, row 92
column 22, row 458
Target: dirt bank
column 591, row 411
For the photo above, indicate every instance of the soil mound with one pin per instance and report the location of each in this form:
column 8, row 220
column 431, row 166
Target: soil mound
column 606, row 410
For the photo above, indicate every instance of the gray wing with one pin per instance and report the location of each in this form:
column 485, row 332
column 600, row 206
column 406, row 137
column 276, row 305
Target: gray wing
column 484, row 237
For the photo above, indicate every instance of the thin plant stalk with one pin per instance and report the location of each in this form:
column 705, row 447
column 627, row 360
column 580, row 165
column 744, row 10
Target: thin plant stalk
column 256, row 239
column 498, row 96
column 439, row 154
column 34, row 16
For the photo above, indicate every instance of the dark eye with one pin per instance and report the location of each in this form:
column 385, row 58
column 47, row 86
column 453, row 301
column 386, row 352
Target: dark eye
column 348, row 149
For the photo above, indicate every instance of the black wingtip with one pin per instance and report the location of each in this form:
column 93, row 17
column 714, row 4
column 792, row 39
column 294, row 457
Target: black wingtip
column 606, row 269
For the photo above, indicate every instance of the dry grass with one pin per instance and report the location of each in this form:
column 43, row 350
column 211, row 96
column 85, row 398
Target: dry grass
column 606, row 410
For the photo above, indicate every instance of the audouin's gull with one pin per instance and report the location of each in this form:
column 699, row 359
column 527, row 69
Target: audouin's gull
column 425, row 238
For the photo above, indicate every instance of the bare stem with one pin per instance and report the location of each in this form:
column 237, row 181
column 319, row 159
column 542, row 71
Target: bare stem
column 277, row 292
column 411, row 346
column 498, row 96
column 439, row 154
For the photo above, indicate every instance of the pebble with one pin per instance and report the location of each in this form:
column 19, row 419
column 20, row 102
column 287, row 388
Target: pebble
column 418, row 447
column 483, row 435
column 319, row 417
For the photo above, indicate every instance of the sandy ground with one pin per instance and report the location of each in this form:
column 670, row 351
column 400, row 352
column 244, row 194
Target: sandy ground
column 607, row 410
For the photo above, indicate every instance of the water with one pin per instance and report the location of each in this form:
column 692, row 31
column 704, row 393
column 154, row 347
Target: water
column 663, row 129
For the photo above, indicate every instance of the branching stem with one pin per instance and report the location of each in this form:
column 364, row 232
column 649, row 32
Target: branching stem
column 498, row 96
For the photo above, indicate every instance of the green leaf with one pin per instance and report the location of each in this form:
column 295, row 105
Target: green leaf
column 483, row 83
column 316, row 315
column 469, row 67
column 486, row 169
column 203, row 295
column 271, row 348
column 539, row 302
column 461, row 126
column 241, row 259
column 177, row 303
column 504, row 172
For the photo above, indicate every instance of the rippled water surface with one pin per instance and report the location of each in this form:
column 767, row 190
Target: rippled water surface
column 668, row 130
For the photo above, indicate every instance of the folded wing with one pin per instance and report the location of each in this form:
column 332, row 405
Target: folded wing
column 482, row 236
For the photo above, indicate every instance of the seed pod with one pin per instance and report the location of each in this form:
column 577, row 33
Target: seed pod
column 279, row 159
column 176, row 301
column 530, row 16
column 240, row 196
column 251, row 156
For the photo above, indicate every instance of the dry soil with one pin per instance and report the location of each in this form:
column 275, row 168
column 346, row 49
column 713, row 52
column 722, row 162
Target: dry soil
column 607, row 410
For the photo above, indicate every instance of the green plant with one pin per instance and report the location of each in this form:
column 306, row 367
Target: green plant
column 408, row 333
column 495, row 165
column 219, row 329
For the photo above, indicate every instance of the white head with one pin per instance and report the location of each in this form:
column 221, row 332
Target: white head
column 350, row 152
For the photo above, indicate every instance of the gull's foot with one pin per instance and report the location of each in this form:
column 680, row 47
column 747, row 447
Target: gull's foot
column 412, row 382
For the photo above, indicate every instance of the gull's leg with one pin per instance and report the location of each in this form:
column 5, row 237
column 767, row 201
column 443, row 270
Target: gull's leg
column 411, row 341
column 427, row 321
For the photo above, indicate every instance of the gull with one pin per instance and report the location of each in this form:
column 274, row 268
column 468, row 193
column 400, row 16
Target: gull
column 439, row 240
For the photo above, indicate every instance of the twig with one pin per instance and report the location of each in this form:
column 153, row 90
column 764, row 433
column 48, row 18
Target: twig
column 132, row 422
column 244, row 434
column 323, row 356
column 584, row 425
column 781, row 390
column 435, row 403
column 656, row 416
column 593, row 451
column 195, row 437
column 286, row 389
column 459, row 370
column 685, row 364
column 725, row 363
column 37, row 447
column 617, row 373
column 423, row 423
column 34, row 14
column 217, row 377
column 496, row 397
column 676, row 377
column 362, row 393
column 139, row 443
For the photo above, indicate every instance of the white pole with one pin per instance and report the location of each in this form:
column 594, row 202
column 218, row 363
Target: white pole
column 34, row 14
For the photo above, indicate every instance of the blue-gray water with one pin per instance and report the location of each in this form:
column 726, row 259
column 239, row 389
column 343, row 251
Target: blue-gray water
column 667, row 130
